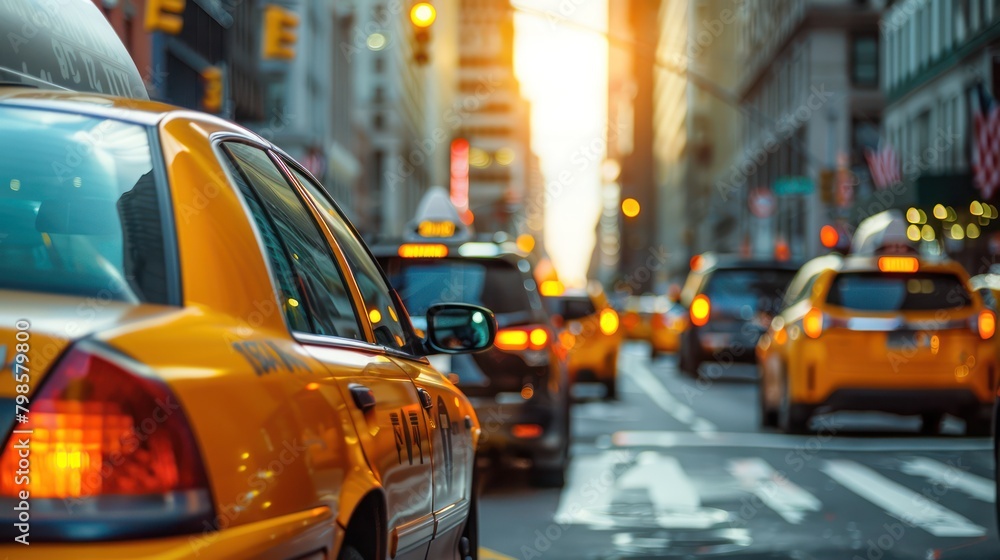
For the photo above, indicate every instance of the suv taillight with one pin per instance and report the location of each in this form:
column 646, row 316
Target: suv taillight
column 112, row 454
column 516, row 339
column 701, row 309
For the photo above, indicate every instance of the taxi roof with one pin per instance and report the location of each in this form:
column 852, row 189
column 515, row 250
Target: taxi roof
column 142, row 112
column 864, row 263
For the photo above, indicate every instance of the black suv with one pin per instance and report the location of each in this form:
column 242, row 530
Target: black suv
column 730, row 303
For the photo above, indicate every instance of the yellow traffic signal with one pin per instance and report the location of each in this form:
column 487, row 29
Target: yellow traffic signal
column 423, row 14
column 165, row 16
column 211, row 99
column 279, row 32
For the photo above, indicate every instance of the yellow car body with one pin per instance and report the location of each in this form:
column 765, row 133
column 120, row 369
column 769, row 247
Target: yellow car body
column 300, row 442
column 927, row 357
column 656, row 320
column 593, row 336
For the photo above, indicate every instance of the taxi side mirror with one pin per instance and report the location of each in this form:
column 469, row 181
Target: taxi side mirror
column 458, row 328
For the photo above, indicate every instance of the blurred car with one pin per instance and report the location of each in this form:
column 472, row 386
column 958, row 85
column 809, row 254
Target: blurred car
column 520, row 387
column 888, row 332
column 988, row 288
column 206, row 358
column 730, row 302
column 590, row 331
column 654, row 319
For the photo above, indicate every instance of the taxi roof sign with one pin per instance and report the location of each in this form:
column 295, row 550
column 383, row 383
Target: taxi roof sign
column 65, row 44
column 437, row 219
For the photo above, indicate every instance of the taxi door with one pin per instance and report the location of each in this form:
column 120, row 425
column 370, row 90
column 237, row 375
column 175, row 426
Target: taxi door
column 448, row 418
column 322, row 307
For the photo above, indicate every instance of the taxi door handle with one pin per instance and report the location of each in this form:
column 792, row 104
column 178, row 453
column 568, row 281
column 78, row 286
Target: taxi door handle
column 363, row 397
column 425, row 399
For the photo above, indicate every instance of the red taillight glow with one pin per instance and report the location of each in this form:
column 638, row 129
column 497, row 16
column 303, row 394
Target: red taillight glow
column 987, row 324
column 701, row 309
column 812, row 323
column 527, row 431
column 898, row 264
column 100, row 430
column 515, row 339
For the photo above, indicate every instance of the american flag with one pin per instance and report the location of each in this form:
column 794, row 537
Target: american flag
column 986, row 144
column 884, row 166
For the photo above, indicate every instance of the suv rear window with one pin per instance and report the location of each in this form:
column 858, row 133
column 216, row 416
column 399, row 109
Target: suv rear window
column 79, row 208
column 877, row 291
column 760, row 289
column 494, row 284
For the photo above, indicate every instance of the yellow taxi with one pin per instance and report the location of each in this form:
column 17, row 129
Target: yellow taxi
column 888, row 331
column 202, row 359
column 655, row 319
column 590, row 330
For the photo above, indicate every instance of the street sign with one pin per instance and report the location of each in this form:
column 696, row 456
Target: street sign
column 785, row 186
column 761, row 202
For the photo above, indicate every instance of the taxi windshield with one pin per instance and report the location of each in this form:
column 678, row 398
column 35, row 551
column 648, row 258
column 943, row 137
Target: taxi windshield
column 496, row 285
column 876, row 291
column 79, row 209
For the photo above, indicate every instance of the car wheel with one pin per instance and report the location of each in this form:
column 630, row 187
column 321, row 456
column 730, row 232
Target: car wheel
column 350, row 553
column 690, row 362
column 792, row 418
column 548, row 477
column 930, row 423
column 611, row 389
column 768, row 416
column 978, row 427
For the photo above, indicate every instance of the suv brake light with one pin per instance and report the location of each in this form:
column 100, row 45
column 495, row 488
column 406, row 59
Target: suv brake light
column 986, row 324
column 701, row 309
column 515, row 339
column 100, row 431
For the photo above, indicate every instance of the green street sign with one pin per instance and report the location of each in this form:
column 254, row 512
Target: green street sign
column 785, row 186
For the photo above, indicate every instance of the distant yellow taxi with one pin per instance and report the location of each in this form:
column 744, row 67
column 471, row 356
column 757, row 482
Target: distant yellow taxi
column 201, row 358
column 888, row 332
column 590, row 330
column 655, row 319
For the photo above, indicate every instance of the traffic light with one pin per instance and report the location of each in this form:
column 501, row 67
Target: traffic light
column 422, row 16
column 279, row 32
column 211, row 99
column 165, row 16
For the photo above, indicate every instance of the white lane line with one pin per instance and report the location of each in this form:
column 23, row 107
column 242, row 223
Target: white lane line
column 589, row 486
column 673, row 494
column 665, row 439
column 787, row 499
column 899, row 501
column 950, row 476
column 639, row 372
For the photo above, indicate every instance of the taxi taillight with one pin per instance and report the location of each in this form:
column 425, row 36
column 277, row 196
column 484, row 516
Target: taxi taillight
column 986, row 324
column 98, row 433
column 812, row 323
column 701, row 309
column 609, row 321
column 515, row 339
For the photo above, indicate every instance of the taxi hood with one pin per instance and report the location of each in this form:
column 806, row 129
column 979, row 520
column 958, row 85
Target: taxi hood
column 53, row 322
column 65, row 44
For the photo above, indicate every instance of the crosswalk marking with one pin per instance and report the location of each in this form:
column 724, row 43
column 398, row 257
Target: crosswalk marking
column 590, row 486
column 952, row 477
column 675, row 499
column 638, row 371
column 899, row 501
column 787, row 499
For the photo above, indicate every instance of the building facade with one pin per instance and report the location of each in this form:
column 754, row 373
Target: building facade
column 811, row 104
column 938, row 55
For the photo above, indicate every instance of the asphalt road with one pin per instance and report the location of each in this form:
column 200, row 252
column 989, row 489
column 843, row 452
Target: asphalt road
column 681, row 469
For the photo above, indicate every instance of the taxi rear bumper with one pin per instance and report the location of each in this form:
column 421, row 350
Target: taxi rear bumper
column 303, row 535
column 958, row 402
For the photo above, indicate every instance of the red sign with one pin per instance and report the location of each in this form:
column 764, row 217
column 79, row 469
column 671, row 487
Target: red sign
column 460, row 174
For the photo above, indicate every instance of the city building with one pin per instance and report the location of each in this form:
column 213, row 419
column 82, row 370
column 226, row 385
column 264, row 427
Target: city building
column 937, row 55
column 505, row 192
column 811, row 104
column 127, row 19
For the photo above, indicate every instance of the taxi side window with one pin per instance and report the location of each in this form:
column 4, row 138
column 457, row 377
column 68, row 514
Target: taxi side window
column 308, row 263
column 385, row 317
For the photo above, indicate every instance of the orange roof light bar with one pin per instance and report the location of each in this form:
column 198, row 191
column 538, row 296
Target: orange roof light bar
column 898, row 264
column 423, row 251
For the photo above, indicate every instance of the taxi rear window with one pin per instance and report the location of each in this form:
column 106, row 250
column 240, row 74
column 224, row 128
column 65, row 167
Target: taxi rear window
column 877, row 291
column 494, row 284
column 79, row 208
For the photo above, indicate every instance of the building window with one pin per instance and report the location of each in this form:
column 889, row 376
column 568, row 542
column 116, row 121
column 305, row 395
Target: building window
column 864, row 66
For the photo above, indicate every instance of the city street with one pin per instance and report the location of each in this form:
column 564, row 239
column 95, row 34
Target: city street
column 677, row 469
